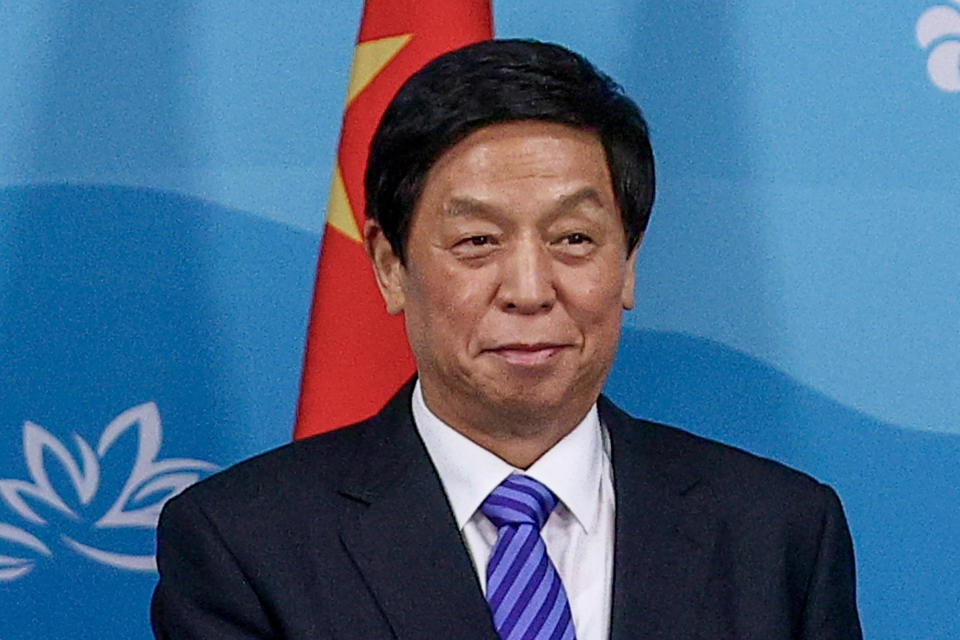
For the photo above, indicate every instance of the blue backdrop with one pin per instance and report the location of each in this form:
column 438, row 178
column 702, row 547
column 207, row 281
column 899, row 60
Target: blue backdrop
column 163, row 175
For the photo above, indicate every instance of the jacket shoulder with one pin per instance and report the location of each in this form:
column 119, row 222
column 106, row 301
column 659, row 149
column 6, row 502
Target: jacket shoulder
column 735, row 476
column 302, row 470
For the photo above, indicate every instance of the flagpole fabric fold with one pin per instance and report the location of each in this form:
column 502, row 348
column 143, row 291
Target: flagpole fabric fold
column 357, row 355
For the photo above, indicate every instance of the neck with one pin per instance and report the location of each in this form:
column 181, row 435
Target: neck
column 518, row 435
column 518, row 451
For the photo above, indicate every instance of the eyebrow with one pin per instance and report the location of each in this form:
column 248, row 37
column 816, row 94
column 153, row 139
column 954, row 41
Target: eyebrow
column 580, row 195
column 467, row 206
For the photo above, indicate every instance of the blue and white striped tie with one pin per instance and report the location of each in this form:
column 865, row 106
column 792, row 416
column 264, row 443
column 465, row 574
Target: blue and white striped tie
column 524, row 591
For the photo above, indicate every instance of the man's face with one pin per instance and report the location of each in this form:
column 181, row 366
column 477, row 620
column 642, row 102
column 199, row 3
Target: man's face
column 516, row 275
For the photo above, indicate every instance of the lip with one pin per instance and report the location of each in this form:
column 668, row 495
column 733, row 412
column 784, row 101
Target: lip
column 527, row 355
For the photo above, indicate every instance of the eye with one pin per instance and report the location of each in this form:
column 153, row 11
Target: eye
column 475, row 246
column 577, row 238
column 575, row 244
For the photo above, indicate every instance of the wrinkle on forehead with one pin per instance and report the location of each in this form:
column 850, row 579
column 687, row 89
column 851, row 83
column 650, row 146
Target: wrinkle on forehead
column 465, row 206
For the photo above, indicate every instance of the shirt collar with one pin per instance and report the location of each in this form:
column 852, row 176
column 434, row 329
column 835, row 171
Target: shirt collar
column 572, row 468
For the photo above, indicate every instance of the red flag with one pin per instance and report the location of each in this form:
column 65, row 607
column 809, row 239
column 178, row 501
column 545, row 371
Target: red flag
column 357, row 356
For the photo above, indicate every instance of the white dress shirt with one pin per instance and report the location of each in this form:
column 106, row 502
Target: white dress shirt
column 578, row 534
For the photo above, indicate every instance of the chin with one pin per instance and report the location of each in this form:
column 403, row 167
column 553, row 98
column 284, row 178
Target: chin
column 542, row 400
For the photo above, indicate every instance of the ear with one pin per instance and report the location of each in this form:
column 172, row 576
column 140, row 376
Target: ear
column 386, row 266
column 630, row 278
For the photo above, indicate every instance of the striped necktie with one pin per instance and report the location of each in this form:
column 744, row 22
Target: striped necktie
column 524, row 591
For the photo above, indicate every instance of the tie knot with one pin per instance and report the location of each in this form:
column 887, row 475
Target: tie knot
column 519, row 500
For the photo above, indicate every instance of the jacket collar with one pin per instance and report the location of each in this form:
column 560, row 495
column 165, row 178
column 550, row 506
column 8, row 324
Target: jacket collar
column 398, row 527
column 665, row 531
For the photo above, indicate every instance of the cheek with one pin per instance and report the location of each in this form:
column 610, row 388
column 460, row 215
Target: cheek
column 450, row 301
column 594, row 296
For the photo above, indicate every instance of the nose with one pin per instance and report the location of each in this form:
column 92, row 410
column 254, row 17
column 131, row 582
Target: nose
column 526, row 279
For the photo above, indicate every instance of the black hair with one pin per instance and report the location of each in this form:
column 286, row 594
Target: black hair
column 498, row 81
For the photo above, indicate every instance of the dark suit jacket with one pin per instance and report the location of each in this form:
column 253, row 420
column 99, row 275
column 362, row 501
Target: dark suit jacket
column 349, row 535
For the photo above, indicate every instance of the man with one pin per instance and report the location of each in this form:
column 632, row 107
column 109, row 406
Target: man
column 499, row 494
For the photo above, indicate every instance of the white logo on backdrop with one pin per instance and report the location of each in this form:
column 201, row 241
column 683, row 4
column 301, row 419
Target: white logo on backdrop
column 148, row 487
column 940, row 26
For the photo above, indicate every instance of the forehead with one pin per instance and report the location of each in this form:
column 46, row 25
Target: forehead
column 511, row 159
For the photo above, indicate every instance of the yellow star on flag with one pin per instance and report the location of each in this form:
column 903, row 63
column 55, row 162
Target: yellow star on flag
column 369, row 58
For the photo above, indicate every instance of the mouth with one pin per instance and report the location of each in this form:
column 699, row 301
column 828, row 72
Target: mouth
column 527, row 355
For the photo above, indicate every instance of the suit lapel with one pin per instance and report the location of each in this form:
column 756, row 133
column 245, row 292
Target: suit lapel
column 664, row 533
column 399, row 529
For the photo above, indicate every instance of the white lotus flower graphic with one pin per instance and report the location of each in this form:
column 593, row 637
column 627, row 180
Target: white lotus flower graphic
column 12, row 567
column 150, row 484
column 941, row 25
